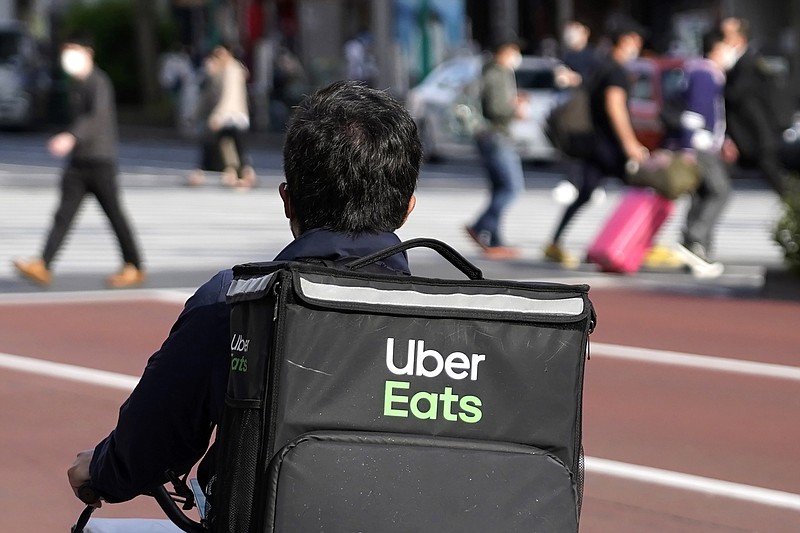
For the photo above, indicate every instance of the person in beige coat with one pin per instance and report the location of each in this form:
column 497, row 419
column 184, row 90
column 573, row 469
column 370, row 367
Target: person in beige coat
column 228, row 119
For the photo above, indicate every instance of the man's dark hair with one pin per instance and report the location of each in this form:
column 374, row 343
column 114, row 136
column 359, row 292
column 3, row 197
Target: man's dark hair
column 506, row 38
column 712, row 38
column 619, row 25
column 351, row 159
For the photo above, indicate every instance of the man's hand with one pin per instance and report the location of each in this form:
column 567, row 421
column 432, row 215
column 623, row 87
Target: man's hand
column 636, row 151
column 523, row 106
column 730, row 152
column 214, row 123
column 61, row 144
column 565, row 77
column 78, row 473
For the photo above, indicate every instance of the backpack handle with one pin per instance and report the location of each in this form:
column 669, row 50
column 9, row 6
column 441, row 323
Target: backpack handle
column 445, row 250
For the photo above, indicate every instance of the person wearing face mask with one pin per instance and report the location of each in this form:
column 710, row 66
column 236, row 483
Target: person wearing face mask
column 752, row 123
column 500, row 104
column 703, row 125
column 90, row 144
column 615, row 142
column 578, row 55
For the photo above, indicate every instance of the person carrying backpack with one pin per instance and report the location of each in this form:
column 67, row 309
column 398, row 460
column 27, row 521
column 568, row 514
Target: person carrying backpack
column 615, row 142
column 351, row 158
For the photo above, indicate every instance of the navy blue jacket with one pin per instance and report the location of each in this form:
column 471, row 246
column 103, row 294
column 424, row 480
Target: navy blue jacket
column 167, row 421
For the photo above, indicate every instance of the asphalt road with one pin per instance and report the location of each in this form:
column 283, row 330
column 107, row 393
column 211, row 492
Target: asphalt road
column 691, row 405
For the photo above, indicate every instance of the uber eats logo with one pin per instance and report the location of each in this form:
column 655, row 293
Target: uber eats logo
column 239, row 346
column 401, row 401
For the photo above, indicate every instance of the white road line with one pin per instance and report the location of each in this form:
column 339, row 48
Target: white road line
column 177, row 295
column 706, row 362
column 644, row 474
column 69, row 372
column 597, row 349
column 678, row 480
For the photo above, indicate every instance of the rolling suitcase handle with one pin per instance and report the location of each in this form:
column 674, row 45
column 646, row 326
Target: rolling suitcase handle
column 446, row 251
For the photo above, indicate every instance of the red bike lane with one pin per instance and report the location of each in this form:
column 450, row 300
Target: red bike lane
column 719, row 425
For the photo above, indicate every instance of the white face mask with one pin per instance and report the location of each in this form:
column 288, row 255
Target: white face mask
column 631, row 53
column 75, row 62
column 573, row 38
column 515, row 61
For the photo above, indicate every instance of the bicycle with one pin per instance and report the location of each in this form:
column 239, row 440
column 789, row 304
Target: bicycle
column 173, row 502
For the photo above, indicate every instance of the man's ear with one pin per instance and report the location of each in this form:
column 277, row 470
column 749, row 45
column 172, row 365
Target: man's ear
column 412, row 202
column 288, row 209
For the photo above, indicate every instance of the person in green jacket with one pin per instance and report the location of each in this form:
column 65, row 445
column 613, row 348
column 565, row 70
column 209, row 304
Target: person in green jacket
column 500, row 104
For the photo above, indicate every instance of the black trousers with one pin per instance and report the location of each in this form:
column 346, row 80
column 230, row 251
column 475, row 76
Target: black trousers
column 607, row 159
column 214, row 159
column 98, row 178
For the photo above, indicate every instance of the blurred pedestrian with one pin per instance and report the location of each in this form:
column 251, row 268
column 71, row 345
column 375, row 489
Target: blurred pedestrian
column 210, row 90
column 228, row 120
column 579, row 62
column 359, row 58
column 752, row 122
column 615, row 142
column 177, row 77
column 703, row 122
column 500, row 104
column 91, row 147
column 577, row 54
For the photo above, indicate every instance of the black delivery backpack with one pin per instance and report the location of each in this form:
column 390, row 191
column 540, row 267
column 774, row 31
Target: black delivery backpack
column 371, row 402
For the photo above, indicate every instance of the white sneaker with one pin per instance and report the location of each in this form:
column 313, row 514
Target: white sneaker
column 700, row 267
column 564, row 192
column 599, row 196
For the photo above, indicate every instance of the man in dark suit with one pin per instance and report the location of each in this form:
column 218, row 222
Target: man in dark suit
column 752, row 123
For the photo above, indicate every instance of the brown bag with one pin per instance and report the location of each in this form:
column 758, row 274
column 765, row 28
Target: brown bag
column 670, row 174
column 569, row 125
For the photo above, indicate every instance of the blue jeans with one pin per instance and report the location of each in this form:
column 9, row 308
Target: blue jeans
column 506, row 181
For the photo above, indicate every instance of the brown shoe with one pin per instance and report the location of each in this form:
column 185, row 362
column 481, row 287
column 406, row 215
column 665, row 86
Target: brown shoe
column 557, row 254
column 229, row 177
column 34, row 270
column 196, row 178
column 247, row 178
column 502, row 252
column 129, row 276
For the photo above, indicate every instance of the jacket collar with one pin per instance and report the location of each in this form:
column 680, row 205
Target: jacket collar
column 326, row 244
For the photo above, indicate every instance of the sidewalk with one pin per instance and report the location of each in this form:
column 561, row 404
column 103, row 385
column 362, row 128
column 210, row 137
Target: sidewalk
column 753, row 268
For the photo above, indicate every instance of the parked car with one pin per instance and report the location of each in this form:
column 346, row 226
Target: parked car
column 24, row 78
column 438, row 109
column 653, row 81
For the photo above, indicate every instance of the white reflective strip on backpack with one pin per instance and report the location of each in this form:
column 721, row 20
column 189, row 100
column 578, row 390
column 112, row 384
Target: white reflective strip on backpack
column 409, row 298
column 248, row 286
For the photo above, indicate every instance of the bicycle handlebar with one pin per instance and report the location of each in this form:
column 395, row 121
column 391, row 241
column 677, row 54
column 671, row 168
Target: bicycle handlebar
column 89, row 496
column 174, row 513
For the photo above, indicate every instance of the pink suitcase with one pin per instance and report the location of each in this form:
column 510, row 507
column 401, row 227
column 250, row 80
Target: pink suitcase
column 628, row 233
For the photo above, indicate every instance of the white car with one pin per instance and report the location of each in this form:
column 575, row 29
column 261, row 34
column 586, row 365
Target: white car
column 437, row 105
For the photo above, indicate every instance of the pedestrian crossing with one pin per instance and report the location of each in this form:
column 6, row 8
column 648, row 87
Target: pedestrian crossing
column 209, row 228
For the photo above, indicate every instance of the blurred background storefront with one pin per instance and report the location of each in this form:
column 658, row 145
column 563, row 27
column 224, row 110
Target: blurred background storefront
column 293, row 45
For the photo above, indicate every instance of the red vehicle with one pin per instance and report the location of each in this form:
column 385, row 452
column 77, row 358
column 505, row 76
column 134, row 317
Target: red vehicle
column 653, row 79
